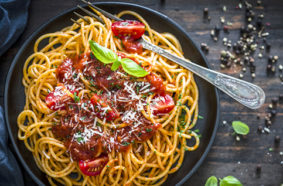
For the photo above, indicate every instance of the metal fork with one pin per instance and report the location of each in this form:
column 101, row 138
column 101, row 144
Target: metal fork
column 244, row 92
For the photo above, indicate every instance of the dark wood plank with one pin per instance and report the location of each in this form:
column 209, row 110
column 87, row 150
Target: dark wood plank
column 227, row 156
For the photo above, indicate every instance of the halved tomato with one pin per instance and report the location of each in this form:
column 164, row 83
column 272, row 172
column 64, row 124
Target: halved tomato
column 56, row 99
column 162, row 104
column 93, row 167
column 103, row 109
column 64, row 71
column 128, row 28
column 157, row 82
column 82, row 61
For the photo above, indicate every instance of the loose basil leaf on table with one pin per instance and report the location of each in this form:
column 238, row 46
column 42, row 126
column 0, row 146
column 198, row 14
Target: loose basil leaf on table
column 240, row 127
column 133, row 68
column 103, row 54
column 211, row 181
column 230, row 181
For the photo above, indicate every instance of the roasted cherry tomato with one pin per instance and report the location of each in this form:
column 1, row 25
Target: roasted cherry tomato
column 156, row 82
column 64, row 71
column 132, row 46
column 82, row 61
column 102, row 109
column 162, row 104
column 93, row 167
column 128, row 28
column 148, row 131
column 57, row 98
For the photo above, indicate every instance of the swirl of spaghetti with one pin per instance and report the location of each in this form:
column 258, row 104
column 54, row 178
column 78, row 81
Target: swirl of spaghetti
column 146, row 162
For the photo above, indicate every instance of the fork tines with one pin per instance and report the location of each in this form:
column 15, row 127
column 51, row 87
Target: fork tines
column 90, row 13
column 107, row 14
column 75, row 22
column 80, row 16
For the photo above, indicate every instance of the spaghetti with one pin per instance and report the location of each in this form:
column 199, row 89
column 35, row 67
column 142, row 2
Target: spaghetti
column 130, row 140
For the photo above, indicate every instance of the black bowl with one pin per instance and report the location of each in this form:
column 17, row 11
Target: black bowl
column 14, row 98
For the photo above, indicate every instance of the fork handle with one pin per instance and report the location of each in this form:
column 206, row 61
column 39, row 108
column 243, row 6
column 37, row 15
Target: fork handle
column 244, row 92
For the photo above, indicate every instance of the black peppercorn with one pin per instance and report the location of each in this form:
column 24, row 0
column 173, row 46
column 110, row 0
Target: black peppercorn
column 270, row 59
column 267, row 47
column 268, row 123
column 246, row 59
column 259, row 129
column 205, row 12
column 274, row 101
column 202, row 46
column 252, row 68
column 206, row 49
column 277, row 139
column 258, row 169
column 268, row 68
column 242, row 30
column 216, row 30
column 259, row 23
column 266, row 119
column 273, row 112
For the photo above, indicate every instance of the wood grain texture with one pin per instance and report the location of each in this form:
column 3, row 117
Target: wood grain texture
column 227, row 156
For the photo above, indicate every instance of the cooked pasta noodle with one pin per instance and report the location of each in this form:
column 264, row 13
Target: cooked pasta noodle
column 145, row 163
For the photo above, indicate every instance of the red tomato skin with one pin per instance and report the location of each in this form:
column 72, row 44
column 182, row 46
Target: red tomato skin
column 110, row 115
column 80, row 63
column 156, row 82
column 55, row 100
column 163, row 104
column 64, row 71
column 132, row 46
column 145, row 135
column 87, row 165
column 128, row 28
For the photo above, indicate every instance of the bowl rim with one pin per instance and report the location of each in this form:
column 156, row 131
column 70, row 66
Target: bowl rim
column 171, row 21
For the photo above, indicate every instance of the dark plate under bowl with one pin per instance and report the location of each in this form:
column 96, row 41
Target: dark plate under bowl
column 208, row 100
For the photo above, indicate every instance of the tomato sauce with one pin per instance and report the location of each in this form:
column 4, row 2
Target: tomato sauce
column 115, row 96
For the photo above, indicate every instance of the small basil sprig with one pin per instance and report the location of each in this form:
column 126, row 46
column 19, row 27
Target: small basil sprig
column 103, row 54
column 230, row 181
column 133, row 68
column 240, row 127
column 226, row 181
column 107, row 56
column 211, row 181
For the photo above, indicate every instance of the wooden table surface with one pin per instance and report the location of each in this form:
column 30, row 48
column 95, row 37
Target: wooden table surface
column 227, row 156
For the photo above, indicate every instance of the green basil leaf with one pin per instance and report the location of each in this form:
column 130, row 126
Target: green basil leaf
column 211, row 181
column 115, row 65
column 102, row 54
column 240, row 127
column 230, row 181
column 133, row 68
